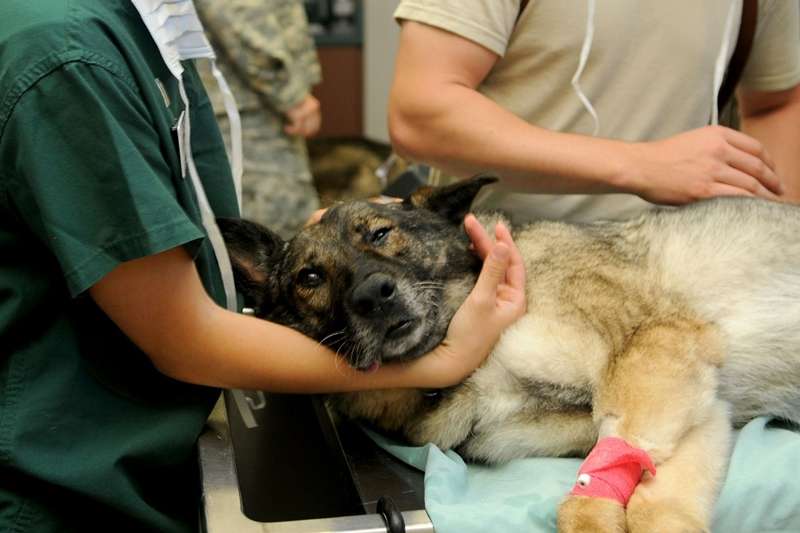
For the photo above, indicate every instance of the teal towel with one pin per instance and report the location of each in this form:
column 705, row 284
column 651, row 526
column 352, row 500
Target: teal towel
column 761, row 493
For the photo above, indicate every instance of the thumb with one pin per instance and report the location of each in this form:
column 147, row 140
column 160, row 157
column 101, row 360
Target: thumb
column 494, row 269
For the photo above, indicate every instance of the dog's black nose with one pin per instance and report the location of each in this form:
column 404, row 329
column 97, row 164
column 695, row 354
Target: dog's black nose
column 373, row 295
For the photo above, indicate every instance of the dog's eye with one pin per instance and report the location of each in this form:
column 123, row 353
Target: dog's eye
column 379, row 235
column 309, row 277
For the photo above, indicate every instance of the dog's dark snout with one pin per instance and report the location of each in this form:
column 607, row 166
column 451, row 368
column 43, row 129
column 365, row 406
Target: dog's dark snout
column 373, row 294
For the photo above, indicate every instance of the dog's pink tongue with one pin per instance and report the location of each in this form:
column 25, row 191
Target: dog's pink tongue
column 373, row 367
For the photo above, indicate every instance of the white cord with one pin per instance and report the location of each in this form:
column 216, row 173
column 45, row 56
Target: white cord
column 235, row 123
column 585, row 50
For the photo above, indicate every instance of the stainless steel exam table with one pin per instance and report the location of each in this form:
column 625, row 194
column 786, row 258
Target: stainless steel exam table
column 284, row 464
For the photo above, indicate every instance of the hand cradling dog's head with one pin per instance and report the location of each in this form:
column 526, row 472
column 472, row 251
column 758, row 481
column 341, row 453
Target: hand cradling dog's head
column 374, row 282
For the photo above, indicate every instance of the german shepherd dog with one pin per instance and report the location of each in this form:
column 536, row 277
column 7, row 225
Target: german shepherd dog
column 665, row 331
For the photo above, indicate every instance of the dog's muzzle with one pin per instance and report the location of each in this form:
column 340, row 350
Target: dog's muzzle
column 375, row 296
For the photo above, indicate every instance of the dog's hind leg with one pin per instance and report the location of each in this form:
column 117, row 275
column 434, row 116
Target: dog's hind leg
column 653, row 395
column 681, row 496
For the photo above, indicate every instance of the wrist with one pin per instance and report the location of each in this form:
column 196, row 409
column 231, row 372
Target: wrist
column 295, row 103
column 593, row 165
column 426, row 372
column 622, row 173
column 446, row 365
column 395, row 375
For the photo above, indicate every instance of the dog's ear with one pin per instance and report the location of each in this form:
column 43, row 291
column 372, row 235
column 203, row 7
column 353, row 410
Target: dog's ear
column 451, row 201
column 255, row 252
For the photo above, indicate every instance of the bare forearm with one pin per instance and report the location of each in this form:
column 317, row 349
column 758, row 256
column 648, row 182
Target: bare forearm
column 160, row 303
column 236, row 351
column 459, row 130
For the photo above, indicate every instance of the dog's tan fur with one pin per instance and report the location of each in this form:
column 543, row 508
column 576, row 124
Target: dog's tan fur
column 663, row 331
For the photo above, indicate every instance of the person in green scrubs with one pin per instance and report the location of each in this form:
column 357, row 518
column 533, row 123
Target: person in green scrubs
column 114, row 340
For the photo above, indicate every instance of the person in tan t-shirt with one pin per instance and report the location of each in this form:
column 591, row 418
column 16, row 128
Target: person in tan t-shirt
column 600, row 108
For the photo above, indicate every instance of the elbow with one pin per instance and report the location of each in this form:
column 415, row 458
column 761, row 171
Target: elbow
column 177, row 368
column 403, row 138
column 170, row 366
column 412, row 129
column 183, row 358
column 197, row 357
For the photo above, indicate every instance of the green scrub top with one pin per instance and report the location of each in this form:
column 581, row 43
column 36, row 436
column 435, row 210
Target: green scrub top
column 92, row 436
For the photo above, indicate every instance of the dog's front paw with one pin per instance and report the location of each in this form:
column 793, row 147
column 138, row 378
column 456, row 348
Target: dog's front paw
column 581, row 514
column 645, row 516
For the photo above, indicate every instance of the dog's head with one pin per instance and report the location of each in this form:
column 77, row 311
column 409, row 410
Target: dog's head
column 374, row 282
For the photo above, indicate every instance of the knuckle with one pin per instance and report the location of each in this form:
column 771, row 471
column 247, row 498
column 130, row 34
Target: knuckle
column 716, row 168
column 700, row 190
column 718, row 132
column 719, row 148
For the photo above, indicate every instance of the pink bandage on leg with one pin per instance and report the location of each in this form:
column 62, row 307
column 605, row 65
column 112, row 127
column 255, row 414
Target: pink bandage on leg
column 612, row 470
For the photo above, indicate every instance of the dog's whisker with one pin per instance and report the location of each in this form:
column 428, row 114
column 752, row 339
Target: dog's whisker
column 432, row 300
column 341, row 345
column 337, row 364
column 360, row 355
column 342, row 341
column 428, row 285
column 334, row 334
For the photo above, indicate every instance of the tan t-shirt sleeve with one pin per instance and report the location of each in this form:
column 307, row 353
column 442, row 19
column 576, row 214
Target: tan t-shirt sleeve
column 488, row 23
column 774, row 62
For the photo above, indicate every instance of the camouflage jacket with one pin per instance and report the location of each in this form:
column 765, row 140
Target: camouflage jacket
column 264, row 49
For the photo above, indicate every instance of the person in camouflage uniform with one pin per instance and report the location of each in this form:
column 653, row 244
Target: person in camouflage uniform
column 266, row 53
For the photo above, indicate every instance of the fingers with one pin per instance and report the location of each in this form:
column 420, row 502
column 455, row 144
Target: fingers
column 481, row 241
column 721, row 189
column 313, row 125
column 483, row 244
column 305, row 118
column 745, row 182
column 748, row 144
column 306, row 128
column 749, row 156
column 757, row 170
column 493, row 272
column 515, row 274
column 315, row 217
column 385, row 200
column 503, row 272
column 294, row 122
column 751, row 165
column 302, row 127
column 292, row 129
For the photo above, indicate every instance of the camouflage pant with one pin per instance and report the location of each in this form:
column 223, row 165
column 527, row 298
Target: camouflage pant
column 277, row 188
